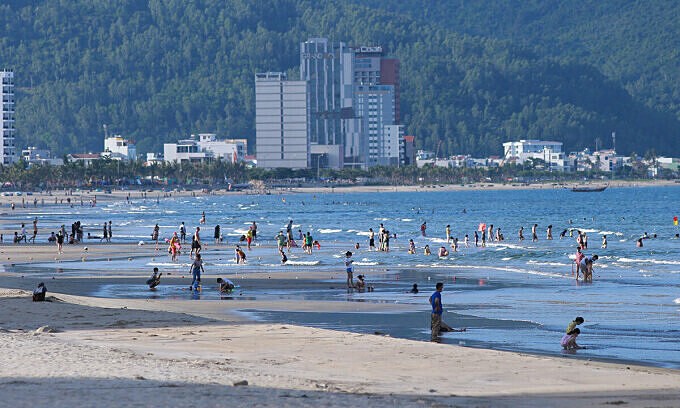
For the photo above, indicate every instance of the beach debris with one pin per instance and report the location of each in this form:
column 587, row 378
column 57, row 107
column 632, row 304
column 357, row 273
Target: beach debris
column 139, row 377
column 45, row 329
column 240, row 383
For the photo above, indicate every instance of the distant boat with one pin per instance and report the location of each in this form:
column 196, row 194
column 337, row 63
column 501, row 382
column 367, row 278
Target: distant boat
column 589, row 189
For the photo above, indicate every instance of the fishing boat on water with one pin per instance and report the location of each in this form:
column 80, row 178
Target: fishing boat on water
column 589, row 188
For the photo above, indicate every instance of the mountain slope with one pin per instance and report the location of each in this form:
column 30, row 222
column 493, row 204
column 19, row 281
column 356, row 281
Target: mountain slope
column 159, row 70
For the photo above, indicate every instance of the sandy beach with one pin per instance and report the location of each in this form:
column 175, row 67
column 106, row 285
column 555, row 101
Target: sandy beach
column 86, row 351
column 141, row 352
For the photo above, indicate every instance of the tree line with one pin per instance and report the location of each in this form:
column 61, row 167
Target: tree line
column 158, row 70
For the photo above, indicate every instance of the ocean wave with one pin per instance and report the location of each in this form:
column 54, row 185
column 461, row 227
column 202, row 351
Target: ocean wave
column 652, row 261
column 532, row 262
column 366, row 263
column 168, row 264
column 303, row 263
column 328, row 231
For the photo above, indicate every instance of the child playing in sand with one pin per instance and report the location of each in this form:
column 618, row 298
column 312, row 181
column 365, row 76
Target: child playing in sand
column 39, row 293
column 155, row 279
column 225, row 285
column 568, row 341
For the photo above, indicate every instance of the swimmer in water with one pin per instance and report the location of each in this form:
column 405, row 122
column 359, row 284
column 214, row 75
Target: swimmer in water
column 411, row 247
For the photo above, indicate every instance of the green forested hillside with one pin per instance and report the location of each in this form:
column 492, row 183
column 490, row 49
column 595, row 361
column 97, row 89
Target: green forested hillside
column 161, row 69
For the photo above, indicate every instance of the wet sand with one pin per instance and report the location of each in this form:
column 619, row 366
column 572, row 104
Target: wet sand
column 182, row 352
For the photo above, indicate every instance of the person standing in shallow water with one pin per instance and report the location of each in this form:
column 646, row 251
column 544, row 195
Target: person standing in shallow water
column 534, row 236
column 350, row 269
column 216, row 235
column 437, row 310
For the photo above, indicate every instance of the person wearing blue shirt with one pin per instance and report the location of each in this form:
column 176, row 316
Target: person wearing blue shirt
column 436, row 302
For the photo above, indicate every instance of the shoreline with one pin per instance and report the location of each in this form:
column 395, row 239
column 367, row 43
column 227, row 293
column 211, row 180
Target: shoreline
column 116, row 350
column 192, row 346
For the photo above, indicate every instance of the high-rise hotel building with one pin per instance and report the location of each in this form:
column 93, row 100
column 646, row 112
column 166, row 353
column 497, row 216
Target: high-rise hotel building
column 353, row 95
column 7, row 130
column 281, row 127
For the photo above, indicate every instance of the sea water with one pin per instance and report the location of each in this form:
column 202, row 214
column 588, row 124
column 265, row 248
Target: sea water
column 511, row 295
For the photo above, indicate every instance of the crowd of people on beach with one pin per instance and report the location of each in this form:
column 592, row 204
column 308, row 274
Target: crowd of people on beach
column 288, row 241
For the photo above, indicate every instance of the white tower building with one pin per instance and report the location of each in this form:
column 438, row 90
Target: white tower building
column 7, row 130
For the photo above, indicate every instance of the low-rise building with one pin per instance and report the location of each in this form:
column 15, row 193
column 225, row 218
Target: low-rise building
column 119, row 148
column 549, row 152
column 86, row 158
column 32, row 155
column 186, row 150
column 205, row 147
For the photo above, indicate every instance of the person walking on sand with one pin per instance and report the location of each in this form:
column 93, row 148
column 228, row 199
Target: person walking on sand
column 195, row 269
column 110, row 230
column 196, row 243
column 349, row 268
column 35, row 230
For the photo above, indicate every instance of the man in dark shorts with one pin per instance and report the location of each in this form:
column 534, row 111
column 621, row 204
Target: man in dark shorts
column 196, row 243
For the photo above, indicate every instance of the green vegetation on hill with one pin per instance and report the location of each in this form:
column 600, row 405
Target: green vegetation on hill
column 159, row 70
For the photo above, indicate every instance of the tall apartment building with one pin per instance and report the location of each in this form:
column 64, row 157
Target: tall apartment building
column 7, row 129
column 374, row 104
column 281, row 127
column 321, row 67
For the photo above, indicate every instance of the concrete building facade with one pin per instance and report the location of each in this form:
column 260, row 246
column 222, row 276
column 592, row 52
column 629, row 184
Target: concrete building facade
column 321, row 67
column 33, row 155
column 523, row 150
column 119, row 148
column 7, row 126
column 281, row 122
